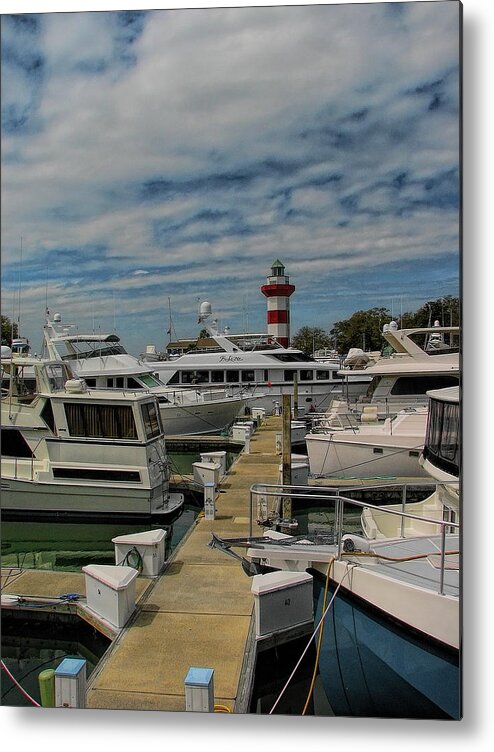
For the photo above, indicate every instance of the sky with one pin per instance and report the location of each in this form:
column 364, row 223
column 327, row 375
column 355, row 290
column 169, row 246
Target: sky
column 154, row 159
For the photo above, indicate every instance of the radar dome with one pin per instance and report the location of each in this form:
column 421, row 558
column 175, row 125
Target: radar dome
column 205, row 309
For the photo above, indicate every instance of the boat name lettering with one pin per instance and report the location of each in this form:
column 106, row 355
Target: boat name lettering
column 230, row 359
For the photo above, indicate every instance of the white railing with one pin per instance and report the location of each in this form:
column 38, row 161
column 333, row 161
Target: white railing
column 333, row 497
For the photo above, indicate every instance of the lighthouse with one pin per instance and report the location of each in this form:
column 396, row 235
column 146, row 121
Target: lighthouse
column 278, row 290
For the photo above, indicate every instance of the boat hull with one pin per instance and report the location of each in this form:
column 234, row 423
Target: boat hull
column 200, row 419
column 373, row 666
column 328, row 455
column 32, row 500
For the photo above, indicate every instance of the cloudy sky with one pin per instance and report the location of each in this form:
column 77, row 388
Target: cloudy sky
column 154, row 158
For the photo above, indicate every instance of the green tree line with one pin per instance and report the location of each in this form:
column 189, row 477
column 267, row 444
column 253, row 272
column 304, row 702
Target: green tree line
column 364, row 328
column 9, row 332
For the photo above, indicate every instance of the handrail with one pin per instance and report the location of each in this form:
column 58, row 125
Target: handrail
column 261, row 489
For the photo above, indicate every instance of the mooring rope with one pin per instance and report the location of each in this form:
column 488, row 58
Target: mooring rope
column 31, row 699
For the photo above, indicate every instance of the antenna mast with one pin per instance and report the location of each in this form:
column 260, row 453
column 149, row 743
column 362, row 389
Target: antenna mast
column 19, row 314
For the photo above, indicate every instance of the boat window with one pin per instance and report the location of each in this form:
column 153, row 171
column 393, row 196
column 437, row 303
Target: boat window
column 47, row 415
column 217, row 377
column 149, row 380
column 90, row 473
column 175, row 379
column 266, row 374
column 442, row 443
column 119, row 382
column 195, row 377
column 14, row 444
column 56, row 376
column 109, row 383
column 322, row 375
column 133, row 384
column 232, row 377
column 97, row 352
column 151, row 420
column 306, row 375
column 90, row 382
column 288, row 375
column 100, row 421
column 289, row 357
column 248, row 376
column 422, row 384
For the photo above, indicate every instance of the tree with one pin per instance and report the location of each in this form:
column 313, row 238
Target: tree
column 310, row 338
column 363, row 329
column 445, row 310
column 9, row 331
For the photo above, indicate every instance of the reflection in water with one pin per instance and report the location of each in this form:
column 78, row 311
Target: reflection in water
column 30, row 646
column 68, row 546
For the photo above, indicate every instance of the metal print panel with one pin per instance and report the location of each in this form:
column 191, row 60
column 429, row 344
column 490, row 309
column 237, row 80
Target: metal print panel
column 231, row 342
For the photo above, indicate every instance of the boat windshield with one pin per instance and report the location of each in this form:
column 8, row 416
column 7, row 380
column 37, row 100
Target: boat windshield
column 293, row 357
column 81, row 351
column 148, row 379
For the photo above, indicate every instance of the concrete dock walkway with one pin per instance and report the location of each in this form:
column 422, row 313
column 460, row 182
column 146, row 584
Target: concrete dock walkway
column 198, row 612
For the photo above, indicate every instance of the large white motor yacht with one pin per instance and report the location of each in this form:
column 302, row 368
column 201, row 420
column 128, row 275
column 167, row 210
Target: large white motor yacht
column 367, row 450
column 71, row 451
column 413, row 362
column 259, row 364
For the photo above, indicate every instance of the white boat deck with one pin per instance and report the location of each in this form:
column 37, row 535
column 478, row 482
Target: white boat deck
column 423, row 571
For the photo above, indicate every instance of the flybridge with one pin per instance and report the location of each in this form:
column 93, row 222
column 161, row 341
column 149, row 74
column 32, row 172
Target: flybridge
column 80, row 346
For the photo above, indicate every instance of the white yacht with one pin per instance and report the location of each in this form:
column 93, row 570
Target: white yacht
column 388, row 616
column 259, row 364
column 440, row 459
column 413, row 362
column 70, row 451
column 102, row 361
column 367, row 450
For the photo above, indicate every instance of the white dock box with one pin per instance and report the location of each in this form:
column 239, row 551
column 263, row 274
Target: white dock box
column 70, row 683
column 199, row 690
column 282, row 600
column 150, row 548
column 110, row 592
column 215, row 458
column 258, row 413
column 241, row 431
column 206, row 472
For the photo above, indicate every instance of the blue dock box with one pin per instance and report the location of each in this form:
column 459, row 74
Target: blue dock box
column 199, row 690
column 70, row 683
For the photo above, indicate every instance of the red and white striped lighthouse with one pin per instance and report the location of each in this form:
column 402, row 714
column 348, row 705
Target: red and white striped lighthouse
column 278, row 290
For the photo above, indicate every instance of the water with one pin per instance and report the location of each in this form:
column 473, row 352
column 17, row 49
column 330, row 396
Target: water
column 68, row 546
column 276, row 691
column 31, row 645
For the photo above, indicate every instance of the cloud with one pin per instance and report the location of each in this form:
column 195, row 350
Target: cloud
column 177, row 153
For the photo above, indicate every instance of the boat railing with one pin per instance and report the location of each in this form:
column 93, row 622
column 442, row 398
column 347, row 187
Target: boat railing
column 260, row 492
column 326, row 422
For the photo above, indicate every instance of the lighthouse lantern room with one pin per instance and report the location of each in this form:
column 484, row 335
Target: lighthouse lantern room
column 278, row 290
